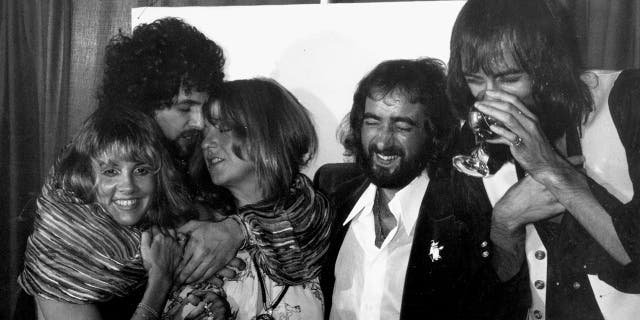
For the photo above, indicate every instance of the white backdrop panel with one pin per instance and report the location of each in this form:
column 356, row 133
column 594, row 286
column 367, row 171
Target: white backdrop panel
column 320, row 51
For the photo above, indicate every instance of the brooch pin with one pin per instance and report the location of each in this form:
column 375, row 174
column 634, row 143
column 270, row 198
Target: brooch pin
column 434, row 251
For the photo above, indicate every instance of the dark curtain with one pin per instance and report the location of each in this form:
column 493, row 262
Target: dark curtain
column 34, row 66
column 608, row 32
column 51, row 61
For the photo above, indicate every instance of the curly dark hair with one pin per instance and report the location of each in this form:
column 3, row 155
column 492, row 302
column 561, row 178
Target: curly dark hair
column 145, row 70
column 420, row 81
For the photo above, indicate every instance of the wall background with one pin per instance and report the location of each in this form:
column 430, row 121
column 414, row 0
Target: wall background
column 319, row 51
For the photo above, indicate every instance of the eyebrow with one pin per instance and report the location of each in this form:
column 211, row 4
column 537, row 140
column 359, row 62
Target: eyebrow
column 393, row 119
column 189, row 102
column 501, row 73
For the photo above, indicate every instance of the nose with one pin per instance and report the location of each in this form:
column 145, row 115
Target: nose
column 127, row 184
column 383, row 137
column 210, row 139
column 196, row 120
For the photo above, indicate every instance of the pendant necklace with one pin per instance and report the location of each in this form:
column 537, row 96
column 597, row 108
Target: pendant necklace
column 268, row 309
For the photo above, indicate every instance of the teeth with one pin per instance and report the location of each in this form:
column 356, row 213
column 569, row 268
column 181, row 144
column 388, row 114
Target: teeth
column 126, row 203
column 215, row 160
column 386, row 158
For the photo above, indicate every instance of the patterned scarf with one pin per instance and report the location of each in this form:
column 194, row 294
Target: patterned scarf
column 272, row 229
column 77, row 253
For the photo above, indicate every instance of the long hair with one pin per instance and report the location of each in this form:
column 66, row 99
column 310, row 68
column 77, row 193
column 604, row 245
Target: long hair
column 420, row 81
column 538, row 35
column 123, row 134
column 144, row 71
column 271, row 127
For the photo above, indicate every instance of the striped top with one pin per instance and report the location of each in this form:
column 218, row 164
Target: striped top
column 291, row 235
column 77, row 253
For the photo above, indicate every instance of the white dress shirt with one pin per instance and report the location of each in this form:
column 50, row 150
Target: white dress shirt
column 370, row 280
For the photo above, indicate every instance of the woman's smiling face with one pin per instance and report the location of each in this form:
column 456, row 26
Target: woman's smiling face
column 125, row 189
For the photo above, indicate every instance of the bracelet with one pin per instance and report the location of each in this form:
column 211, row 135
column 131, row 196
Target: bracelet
column 148, row 312
column 246, row 236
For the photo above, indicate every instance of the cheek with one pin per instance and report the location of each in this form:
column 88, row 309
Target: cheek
column 475, row 89
column 147, row 186
column 104, row 191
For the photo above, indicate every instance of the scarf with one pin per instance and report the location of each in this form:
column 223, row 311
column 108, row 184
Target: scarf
column 77, row 253
column 274, row 226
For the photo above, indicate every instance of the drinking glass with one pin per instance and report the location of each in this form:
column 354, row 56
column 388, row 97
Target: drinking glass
column 475, row 165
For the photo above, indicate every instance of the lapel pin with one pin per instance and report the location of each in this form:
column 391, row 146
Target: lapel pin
column 434, row 251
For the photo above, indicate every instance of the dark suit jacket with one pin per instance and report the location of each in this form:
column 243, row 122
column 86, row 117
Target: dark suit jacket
column 461, row 285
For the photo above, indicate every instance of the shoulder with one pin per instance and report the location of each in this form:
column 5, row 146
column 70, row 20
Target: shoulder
column 331, row 177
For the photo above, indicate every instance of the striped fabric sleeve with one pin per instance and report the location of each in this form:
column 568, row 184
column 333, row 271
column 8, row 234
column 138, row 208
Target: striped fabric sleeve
column 290, row 238
column 78, row 254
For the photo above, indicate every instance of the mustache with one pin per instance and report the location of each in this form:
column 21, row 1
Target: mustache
column 193, row 134
column 388, row 151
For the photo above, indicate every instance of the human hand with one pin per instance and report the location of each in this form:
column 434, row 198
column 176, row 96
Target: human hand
column 211, row 246
column 208, row 305
column 161, row 252
column 525, row 202
column 522, row 132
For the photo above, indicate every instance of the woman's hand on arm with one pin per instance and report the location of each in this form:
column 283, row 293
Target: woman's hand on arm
column 211, row 247
column 161, row 254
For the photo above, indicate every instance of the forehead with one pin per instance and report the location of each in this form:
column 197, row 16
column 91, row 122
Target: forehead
column 490, row 62
column 194, row 96
column 393, row 104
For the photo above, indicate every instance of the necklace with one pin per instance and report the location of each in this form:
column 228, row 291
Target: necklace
column 268, row 309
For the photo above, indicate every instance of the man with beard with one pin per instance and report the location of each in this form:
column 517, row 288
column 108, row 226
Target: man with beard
column 576, row 228
column 399, row 248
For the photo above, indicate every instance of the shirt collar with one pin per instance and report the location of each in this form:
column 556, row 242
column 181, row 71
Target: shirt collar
column 406, row 202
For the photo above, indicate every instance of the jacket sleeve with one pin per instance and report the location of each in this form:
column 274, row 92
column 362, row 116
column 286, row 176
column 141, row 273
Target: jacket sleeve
column 624, row 104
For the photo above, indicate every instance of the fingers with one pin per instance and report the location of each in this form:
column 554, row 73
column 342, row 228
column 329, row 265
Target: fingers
column 199, row 272
column 226, row 273
column 145, row 241
column 237, row 263
column 511, row 101
column 189, row 226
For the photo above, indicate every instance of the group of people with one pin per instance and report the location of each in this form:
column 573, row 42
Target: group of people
column 182, row 197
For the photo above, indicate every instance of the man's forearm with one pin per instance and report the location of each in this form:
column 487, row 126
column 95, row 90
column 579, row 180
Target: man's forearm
column 509, row 251
column 572, row 190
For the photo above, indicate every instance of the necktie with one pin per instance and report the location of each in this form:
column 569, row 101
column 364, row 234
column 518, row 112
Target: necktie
column 384, row 221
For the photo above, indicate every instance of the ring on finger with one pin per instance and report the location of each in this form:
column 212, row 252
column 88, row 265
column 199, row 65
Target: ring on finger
column 210, row 314
column 518, row 142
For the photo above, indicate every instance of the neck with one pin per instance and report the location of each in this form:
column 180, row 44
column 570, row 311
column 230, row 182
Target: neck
column 247, row 195
column 388, row 194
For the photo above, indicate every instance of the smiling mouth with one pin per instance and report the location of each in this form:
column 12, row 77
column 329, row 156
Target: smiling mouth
column 127, row 204
column 385, row 160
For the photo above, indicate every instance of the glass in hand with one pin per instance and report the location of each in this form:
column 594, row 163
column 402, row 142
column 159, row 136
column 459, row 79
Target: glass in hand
column 475, row 165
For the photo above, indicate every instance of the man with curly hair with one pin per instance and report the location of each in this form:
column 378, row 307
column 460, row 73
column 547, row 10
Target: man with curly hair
column 166, row 69
column 169, row 69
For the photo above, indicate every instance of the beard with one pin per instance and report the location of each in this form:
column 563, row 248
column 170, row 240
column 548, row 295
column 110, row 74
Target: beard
column 186, row 143
column 392, row 178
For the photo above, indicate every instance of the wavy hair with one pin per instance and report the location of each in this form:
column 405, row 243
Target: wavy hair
column 270, row 126
column 124, row 134
column 144, row 71
column 539, row 37
column 420, row 81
